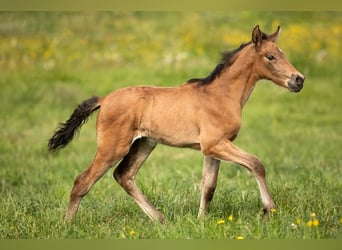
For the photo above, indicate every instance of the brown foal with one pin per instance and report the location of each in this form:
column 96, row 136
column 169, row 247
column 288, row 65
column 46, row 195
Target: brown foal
column 202, row 114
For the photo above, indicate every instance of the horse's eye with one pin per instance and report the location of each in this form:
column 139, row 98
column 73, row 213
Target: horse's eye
column 270, row 57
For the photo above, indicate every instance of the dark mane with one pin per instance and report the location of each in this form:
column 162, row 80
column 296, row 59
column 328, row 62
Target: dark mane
column 225, row 61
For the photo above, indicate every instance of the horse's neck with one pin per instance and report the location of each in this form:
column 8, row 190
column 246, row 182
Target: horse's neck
column 248, row 89
column 237, row 82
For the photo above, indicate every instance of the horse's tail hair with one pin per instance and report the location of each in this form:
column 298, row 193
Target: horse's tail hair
column 65, row 132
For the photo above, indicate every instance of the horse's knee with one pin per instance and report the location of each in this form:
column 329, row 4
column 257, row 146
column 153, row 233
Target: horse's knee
column 257, row 168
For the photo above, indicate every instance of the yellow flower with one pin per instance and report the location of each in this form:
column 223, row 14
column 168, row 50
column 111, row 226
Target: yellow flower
column 230, row 217
column 341, row 220
column 313, row 215
column 132, row 232
column 315, row 223
column 298, row 221
column 240, row 238
column 219, row 222
column 273, row 210
column 309, row 223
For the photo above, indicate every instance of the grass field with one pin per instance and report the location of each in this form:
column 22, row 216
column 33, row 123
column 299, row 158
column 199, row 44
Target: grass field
column 50, row 62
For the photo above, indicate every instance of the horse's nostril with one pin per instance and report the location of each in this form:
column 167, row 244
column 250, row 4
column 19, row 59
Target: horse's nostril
column 299, row 79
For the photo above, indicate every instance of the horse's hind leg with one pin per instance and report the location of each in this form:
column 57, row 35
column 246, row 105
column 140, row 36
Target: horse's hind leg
column 84, row 182
column 106, row 156
column 127, row 170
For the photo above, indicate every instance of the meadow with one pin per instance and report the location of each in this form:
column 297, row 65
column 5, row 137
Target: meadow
column 50, row 62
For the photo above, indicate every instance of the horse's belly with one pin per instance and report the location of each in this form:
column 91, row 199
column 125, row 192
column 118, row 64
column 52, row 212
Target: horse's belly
column 179, row 135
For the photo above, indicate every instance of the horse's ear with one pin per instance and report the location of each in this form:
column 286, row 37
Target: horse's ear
column 258, row 36
column 273, row 37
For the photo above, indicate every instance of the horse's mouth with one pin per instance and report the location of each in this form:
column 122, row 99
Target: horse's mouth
column 295, row 87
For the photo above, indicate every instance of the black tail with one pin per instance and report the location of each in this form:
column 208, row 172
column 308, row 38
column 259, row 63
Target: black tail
column 66, row 131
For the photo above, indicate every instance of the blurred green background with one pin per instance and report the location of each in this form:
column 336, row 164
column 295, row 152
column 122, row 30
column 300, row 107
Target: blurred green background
column 112, row 40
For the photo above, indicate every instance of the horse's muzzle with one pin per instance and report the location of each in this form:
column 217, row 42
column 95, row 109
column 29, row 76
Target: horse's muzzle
column 296, row 83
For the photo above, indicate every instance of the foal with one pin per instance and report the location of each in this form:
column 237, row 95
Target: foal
column 133, row 120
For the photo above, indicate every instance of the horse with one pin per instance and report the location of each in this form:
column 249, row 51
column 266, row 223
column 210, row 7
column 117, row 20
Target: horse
column 202, row 114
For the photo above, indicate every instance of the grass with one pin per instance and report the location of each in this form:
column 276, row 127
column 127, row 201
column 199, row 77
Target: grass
column 46, row 73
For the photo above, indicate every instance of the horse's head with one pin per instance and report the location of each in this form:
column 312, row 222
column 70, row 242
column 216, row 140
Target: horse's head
column 272, row 63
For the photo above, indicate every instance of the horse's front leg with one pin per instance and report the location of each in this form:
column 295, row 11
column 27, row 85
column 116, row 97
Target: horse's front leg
column 208, row 185
column 227, row 151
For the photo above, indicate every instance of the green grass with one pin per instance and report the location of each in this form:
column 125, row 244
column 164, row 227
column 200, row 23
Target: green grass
column 297, row 136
